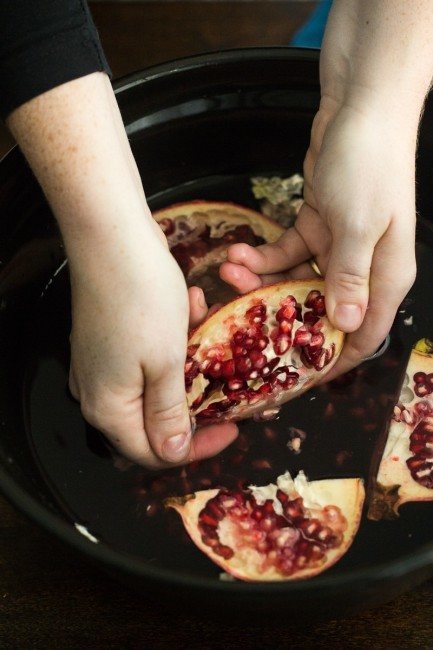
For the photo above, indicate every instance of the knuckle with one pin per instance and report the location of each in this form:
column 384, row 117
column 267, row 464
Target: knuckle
column 350, row 281
column 172, row 414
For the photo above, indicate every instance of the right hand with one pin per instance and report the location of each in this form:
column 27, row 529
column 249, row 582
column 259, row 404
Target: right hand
column 128, row 347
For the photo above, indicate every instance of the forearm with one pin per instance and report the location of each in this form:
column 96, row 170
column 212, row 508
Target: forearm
column 379, row 55
column 74, row 140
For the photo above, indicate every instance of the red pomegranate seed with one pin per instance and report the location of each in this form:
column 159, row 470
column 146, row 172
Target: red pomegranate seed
column 239, row 351
column 282, row 344
column 167, row 226
column 302, row 337
column 320, row 360
column 286, row 326
column 261, row 463
column 317, row 340
column 419, row 377
column 228, row 368
column 243, row 365
column 319, row 306
column 235, row 384
column 215, row 369
column 310, row 319
column 329, row 354
column 311, row 298
column 287, row 312
column 225, row 551
column 258, row 359
column 207, row 519
column 262, row 343
column 421, row 390
column 257, row 313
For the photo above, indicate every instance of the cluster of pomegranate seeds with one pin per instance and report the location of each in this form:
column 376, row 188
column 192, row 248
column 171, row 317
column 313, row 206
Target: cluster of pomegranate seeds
column 187, row 252
column 247, row 369
column 289, row 542
column 421, row 446
column 423, row 384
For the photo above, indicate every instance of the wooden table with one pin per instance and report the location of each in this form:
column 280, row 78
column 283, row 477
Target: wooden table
column 49, row 599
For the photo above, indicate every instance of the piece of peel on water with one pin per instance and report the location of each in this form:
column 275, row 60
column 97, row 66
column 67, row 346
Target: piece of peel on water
column 293, row 529
column 280, row 198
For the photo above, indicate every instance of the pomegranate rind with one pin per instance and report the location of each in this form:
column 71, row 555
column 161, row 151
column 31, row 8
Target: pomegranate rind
column 346, row 494
column 218, row 328
column 394, row 484
column 214, row 213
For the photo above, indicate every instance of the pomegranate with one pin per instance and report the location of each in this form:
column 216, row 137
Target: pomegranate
column 199, row 233
column 288, row 531
column 406, row 466
column 259, row 351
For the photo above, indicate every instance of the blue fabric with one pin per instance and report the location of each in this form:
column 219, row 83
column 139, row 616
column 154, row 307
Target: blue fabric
column 311, row 34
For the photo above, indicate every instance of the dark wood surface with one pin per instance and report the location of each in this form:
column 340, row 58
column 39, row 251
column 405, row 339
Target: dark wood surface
column 49, row 599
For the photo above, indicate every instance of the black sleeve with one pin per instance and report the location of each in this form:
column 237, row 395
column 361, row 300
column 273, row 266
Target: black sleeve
column 44, row 43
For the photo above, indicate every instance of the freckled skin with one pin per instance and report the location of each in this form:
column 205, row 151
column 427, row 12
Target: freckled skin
column 130, row 305
column 129, row 300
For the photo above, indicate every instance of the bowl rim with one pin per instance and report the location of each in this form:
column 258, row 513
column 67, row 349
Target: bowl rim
column 102, row 553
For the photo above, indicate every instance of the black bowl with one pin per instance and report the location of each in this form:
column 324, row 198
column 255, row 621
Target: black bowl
column 196, row 126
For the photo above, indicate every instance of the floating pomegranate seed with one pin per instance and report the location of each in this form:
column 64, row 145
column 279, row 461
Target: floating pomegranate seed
column 260, row 464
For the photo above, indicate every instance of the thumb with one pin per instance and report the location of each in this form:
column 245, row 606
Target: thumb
column 166, row 415
column 347, row 282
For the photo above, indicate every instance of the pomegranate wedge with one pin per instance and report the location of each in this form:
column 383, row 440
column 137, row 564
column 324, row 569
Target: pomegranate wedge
column 406, row 467
column 259, row 351
column 199, row 233
column 288, row 531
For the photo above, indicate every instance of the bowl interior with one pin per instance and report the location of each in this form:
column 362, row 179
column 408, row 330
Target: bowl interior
column 199, row 130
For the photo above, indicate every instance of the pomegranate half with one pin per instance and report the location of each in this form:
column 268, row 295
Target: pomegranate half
column 288, row 531
column 259, row 351
column 406, row 466
column 199, row 233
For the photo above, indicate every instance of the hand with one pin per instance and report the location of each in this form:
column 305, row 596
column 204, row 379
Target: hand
column 358, row 222
column 128, row 346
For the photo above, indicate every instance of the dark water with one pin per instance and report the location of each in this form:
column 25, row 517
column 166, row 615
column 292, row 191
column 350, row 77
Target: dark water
column 342, row 421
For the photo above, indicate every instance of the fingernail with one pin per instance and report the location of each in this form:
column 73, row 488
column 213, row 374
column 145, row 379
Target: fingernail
column 176, row 447
column 347, row 317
